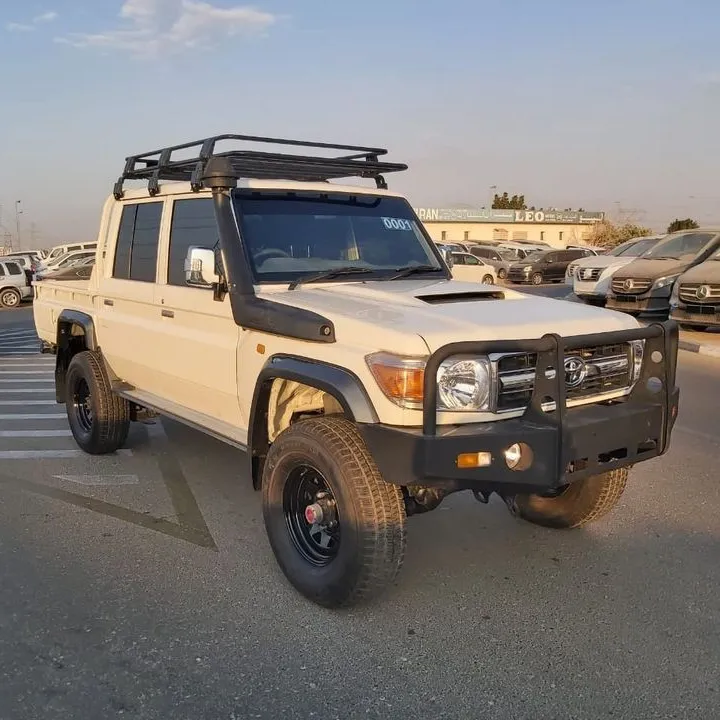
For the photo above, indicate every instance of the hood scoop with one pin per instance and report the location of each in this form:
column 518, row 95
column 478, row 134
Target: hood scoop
column 461, row 297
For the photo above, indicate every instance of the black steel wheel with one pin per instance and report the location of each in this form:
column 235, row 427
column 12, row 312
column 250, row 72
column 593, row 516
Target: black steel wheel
column 337, row 529
column 99, row 419
column 311, row 515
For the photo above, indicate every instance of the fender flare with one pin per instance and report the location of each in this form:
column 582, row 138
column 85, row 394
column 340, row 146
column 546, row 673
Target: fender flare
column 342, row 384
column 63, row 344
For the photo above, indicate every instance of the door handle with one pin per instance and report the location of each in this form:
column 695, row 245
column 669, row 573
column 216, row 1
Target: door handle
column 108, row 302
column 167, row 313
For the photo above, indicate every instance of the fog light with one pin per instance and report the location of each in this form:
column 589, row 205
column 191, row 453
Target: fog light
column 474, row 460
column 518, row 456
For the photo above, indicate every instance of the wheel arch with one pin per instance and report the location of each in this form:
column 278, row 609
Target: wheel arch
column 75, row 333
column 336, row 382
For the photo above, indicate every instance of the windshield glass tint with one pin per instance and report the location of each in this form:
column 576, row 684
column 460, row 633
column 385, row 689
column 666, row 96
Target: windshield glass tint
column 288, row 237
column 680, row 246
column 634, row 248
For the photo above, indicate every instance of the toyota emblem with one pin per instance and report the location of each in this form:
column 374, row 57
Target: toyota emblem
column 575, row 371
column 628, row 284
column 702, row 292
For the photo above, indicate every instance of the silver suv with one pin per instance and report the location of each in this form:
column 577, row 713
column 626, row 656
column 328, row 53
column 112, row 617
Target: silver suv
column 14, row 284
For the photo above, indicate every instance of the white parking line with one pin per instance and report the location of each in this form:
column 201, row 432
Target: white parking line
column 26, row 372
column 16, row 382
column 49, row 403
column 32, row 416
column 44, row 454
column 49, row 390
column 100, row 480
column 34, row 433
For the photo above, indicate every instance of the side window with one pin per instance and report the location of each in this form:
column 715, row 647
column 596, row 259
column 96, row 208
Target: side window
column 137, row 243
column 193, row 223
column 13, row 269
column 471, row 260
column 493, row 255
column 73, row 248
column 552, row 257
column 2, row 271
column 458, row 259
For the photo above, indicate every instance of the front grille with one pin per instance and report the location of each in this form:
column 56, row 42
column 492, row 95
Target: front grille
column 699, row 292
column 631, row 286
column 590, row 274
column 609, row 368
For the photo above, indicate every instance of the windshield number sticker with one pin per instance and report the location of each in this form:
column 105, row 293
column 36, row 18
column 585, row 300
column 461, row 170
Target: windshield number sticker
column 397, row 224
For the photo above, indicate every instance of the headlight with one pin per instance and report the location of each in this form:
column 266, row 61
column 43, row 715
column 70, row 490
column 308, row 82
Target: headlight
column 637, row 349
column 664, row 281
column 464, row 384
column 570, row 270
column 527, row 268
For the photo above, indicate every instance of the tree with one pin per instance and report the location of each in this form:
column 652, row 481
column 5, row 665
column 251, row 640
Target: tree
column 686, row 224
column 505, row 202
column 609, row 235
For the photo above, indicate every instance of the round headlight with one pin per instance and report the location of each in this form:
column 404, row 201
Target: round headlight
column 464, row 384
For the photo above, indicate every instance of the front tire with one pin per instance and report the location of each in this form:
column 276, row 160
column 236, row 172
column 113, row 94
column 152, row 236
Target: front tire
column 502, row 273
column 99, row 419
column 536, row 278
column 488, row 280
column 352, row 548
column 582, row 502
column 10, row 298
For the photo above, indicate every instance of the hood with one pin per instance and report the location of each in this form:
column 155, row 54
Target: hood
column 602, row 261
column 705, row 272
column 652, row 269
column 394, row 315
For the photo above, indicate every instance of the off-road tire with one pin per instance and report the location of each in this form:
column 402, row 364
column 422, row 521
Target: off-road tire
column 584, row 501
column 502, row 273
column 488, row 280
column 107, row 429
column 10, row 298
column 371, row 513
column 536, row 278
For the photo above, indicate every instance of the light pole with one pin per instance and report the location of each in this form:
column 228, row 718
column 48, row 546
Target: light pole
column 18, row 213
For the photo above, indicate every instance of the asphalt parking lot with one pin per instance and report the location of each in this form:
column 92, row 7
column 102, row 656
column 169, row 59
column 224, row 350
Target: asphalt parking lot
column 142, row 586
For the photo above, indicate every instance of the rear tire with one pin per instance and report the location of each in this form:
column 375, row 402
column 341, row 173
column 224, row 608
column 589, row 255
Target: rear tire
column 536, row 278
column 10, row 298
column 488, row 280
column 502, row 273
column 357, row 548
column 99, row 419
column 583, row 502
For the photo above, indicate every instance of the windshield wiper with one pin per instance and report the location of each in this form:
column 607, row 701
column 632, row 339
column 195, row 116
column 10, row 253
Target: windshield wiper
column 329, row 275
column 414, row 270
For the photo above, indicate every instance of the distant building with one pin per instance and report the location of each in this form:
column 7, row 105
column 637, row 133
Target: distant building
column 554, row 227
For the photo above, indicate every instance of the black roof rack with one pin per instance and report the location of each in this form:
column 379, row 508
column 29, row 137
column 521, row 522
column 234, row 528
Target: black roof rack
column 159, row 164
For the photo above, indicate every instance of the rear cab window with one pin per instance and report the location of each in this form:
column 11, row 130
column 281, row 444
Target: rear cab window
column 136, row 249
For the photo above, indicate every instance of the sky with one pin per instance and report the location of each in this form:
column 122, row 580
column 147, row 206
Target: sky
column 573, row 104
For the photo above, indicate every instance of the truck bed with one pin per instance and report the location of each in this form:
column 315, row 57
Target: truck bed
column 54, row 296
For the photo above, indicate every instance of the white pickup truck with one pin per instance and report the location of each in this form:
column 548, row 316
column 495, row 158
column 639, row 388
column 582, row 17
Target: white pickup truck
column 315, row 325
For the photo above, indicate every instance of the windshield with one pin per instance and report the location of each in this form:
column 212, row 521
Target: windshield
column 534, row 256
column 289, row 236
column 633, row 248
column 680, row 246
column 507, row 254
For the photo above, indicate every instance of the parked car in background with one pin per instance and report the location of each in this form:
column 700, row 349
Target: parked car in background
column 469, row 268
column 497, row 257
column 518, row 250
column 546, row 266
column 57, row 252
column 644, row 286
column 65, row 261
column 590, row 277
column 14, row 284
column 80, row 270
column 695, row 299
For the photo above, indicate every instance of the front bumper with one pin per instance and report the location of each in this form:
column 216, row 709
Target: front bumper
column 653, row 302
column 567, row 444
column 702, row 315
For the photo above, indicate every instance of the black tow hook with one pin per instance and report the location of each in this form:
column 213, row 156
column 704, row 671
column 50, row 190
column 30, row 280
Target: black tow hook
column 482, row 497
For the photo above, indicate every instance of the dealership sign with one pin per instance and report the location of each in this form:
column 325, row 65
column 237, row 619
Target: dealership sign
column 505, row 216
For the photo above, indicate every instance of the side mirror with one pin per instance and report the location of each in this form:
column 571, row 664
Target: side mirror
column 200, row 267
